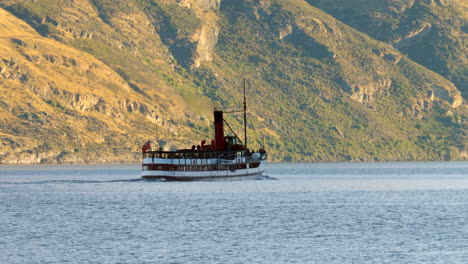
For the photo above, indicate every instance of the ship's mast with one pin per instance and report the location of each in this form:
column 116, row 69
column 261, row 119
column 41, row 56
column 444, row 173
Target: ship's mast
column 245, row 117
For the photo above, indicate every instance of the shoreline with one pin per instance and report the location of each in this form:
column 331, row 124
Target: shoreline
column 273, row 162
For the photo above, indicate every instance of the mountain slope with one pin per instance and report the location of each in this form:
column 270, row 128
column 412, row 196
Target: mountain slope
column 432, row 32
column 322, row 78
column 61, row 104
column 319, row 90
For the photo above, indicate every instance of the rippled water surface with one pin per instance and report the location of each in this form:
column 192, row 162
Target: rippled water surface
column 299, row 213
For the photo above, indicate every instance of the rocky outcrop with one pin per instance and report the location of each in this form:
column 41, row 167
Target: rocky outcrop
column 390, row 56
column 203, row 5
column 413, row 35
column 400, row 6
column 10, row 69
column 206, row 40
column 284, row 31
column 435, row 93
column 206, row 37
column 364, row 92
column 434, row 2
column 449, row 94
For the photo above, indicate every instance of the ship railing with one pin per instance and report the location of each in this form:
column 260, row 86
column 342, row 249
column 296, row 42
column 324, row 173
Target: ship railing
column 196, row 155
column 200, row 157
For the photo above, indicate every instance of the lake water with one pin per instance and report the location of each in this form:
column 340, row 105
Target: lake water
column 299, row 213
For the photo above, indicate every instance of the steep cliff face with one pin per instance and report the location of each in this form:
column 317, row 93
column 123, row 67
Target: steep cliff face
column 92, row 80
column 205, row 38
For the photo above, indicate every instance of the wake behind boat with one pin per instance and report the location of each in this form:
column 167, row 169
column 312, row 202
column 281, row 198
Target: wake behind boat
column 225, row 157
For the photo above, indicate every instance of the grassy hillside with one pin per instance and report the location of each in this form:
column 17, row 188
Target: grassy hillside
column 327, row 91
column 433, row 33
column 59, row 104
column 318, row 89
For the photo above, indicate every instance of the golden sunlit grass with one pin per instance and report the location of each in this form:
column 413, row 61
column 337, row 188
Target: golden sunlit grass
column 55, row 95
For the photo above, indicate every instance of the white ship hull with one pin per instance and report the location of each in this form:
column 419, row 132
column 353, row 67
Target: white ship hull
column 201, row 169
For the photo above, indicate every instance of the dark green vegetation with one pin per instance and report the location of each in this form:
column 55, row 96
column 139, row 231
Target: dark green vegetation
column 319, row 90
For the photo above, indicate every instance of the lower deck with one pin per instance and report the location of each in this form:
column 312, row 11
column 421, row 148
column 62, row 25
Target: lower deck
column 202, row 172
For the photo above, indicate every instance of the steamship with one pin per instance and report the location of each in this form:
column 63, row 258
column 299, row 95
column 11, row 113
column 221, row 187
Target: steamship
column 225, row 157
